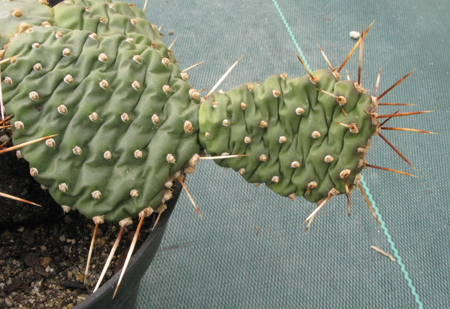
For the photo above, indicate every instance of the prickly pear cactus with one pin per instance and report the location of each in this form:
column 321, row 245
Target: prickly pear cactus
column 125, row 119
column 97, row 75
column 297, row 140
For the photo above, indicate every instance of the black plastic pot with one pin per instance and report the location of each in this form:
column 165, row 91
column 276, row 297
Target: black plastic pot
column 139, row 263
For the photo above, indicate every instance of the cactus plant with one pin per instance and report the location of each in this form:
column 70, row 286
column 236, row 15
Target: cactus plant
column 110, row 157
column 124, row 123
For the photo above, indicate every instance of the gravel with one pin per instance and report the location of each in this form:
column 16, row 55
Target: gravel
column 43, row 267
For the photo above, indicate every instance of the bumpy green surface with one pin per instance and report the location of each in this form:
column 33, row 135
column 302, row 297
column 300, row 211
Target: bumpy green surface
column 321, row 112
column 110, row 17
column 126, row 117
column 32, row 12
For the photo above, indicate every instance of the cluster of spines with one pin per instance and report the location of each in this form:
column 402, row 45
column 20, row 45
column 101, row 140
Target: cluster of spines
column 375, row 122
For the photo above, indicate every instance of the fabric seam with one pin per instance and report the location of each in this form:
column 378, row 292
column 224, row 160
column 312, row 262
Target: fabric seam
column 363, row 183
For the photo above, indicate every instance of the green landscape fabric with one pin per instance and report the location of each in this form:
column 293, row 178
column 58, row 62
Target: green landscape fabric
column 250, row 250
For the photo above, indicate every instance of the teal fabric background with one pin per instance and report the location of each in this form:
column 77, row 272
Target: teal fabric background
column 221, row 261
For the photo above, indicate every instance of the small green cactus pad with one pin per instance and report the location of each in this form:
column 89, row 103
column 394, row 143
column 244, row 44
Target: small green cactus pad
column 294, row 136
column 16, row 15
column 125, row 119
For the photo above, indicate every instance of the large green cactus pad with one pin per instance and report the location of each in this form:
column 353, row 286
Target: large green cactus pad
column 294, row 136
column 115, row 106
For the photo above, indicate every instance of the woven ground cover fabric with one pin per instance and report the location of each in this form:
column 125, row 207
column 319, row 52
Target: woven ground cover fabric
column 250, row 251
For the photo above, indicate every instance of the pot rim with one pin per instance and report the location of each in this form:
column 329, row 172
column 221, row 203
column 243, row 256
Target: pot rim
column 109, row 286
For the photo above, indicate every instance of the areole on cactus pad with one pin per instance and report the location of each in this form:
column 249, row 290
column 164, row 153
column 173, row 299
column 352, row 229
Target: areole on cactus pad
column 126, row 123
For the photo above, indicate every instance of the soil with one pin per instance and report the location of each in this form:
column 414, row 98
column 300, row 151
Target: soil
column 43, row 252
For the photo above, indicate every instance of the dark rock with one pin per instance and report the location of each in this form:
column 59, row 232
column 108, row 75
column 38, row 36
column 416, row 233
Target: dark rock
column 13, row 286
column 31, row 259
column 73, row 285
